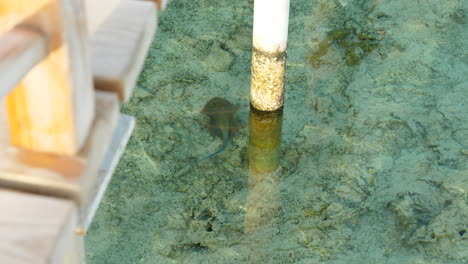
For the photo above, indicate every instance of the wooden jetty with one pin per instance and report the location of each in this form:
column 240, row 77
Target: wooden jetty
column 65, row 68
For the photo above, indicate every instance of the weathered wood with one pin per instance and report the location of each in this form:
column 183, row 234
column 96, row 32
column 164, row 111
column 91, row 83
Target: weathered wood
column 52, row 108
column 21, row 48
column 119, row 141
column 99, row 140
column 119, row 47
column 38, row 229
column 24, row 46
column 44, row 15
column 160, row 4
column 4, row 135
column 97, row 11
column 58, row 175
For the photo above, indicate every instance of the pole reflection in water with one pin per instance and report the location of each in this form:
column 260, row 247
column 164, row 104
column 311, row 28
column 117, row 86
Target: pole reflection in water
column 264, row 167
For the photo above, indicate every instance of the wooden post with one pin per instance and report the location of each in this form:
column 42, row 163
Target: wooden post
column 97, row 11
column 120, row 45
column 160, row 4
column 73, row 175
column 51, row 110
column 22, row 47
column 38, row 229
column 64, row 151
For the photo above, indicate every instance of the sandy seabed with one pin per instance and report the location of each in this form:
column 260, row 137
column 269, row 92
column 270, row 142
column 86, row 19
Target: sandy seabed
column 374, row 143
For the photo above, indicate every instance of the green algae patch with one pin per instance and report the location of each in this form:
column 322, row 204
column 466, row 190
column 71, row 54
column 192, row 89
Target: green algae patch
column 355, row 45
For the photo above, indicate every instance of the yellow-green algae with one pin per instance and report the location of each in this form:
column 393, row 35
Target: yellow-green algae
column 356, row 45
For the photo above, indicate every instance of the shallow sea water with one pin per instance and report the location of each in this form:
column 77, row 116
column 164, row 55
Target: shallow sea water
column 374, row 151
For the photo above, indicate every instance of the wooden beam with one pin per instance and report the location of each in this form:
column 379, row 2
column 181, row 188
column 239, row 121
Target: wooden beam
column 59, row 175
column 97, row 12
column 21, row 48
column 51, row 110
column 38, row 229
column 160, row 4
column 108, row 112
column 43, row 15
column 112, row 157
column 119, row 47
column 4, row 135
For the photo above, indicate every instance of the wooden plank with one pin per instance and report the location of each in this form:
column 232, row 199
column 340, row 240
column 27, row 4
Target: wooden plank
column 97, row 12
column 44, row 15
column 38, row 229
column 51, row 110
column 21, row 48
column 160, row 4
column 119, row 141
column 119, row 47
column 60, row 175
column 4, row 135
column 99, row 141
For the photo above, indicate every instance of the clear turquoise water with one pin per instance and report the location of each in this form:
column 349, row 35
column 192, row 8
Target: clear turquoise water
column 374, row 141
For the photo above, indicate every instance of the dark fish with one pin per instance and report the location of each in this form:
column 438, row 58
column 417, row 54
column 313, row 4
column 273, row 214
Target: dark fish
column 222, row 125
column 222, row 122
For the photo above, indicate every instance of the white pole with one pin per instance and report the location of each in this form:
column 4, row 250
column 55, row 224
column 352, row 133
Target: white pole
column 270, row 35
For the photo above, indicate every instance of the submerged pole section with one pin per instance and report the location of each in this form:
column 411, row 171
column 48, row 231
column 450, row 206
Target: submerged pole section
column 270, row 34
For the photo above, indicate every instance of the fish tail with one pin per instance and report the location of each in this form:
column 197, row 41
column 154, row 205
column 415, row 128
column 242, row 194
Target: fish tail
column 223, row 147
column 186, row 168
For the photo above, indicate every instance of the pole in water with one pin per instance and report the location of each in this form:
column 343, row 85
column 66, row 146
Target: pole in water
column 264, row 141
column 270, row 34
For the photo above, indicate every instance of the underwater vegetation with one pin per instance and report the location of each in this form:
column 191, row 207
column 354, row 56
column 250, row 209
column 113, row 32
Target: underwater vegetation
column 356, row 45
column 351, row 31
